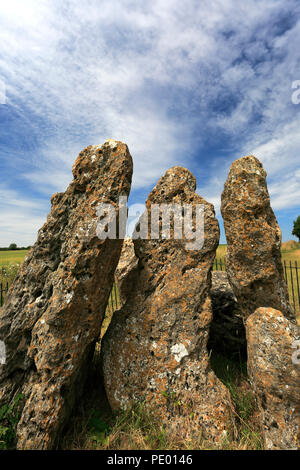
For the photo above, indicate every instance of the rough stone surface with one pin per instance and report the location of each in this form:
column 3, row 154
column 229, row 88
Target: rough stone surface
column 227, row 330
column 253, row 259
column 53, row 311
column 126, row 270
column 155, row 347
column 274, row 371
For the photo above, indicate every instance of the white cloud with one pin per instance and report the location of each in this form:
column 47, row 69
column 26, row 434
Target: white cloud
column 88, row 72
column 20, row 218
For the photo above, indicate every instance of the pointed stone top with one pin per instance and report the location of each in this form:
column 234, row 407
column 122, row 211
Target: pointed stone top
column 248, row 164
column 176, row 181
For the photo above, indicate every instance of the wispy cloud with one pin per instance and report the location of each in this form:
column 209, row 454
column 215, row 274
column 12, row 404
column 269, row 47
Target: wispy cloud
column 181, row 84
column 20, row 218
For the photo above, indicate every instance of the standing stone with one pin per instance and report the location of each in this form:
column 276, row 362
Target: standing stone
column 155, row 348
column 253, row 259
column 126, row 270
column 53, row 312
column 274, row 372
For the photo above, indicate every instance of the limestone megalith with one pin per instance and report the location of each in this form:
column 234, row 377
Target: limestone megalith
column 155, row 348
column 52, row 315
column 253, row 260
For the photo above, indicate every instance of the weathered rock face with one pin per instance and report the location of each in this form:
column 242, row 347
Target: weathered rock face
column 53, row 312
column 227, row 330
column 126, row 270
column 155, row 347
column 253, row 260
column 274, row 371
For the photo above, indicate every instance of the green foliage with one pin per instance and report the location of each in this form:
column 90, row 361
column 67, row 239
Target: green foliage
column 98, row 429
column 234, row 375
column 9, row 272
column 9, row 418
column 12, row 246
column 296, row 229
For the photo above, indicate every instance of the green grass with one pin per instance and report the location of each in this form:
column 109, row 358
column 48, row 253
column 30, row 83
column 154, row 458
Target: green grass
column 221, row 251
column 287, row 253
column 10, row 262
column 93, row 426
column 9, row 418
column 12, row 257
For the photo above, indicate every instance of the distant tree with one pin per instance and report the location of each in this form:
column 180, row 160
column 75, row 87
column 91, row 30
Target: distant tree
column 12, row 246
column 296, row 229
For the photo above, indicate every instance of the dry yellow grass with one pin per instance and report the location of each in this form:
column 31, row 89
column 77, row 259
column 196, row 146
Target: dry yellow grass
column 94, row 427
column 290, row 251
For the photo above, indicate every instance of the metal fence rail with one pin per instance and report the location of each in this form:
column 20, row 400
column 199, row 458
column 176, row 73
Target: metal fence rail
column 113, row 301
column 292, row 277
column 291, row 271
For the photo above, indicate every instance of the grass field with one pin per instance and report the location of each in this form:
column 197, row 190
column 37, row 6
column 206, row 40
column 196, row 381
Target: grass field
column 290, row 251
column 12, row 257
column 10, row 261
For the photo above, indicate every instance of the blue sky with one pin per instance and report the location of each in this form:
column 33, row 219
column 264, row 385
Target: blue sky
column 194, row 83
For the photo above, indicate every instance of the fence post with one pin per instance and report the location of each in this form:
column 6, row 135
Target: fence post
column 292, row 282
column 292, row 285
column 297, row 279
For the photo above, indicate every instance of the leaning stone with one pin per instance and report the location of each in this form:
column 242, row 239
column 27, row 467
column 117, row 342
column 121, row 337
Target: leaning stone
column 53, row 312
column 274, row 372
column 155, row 348
column 126, row 271
column 253, row 259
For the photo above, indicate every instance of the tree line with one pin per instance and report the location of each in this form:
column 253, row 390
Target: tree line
column 13, row 247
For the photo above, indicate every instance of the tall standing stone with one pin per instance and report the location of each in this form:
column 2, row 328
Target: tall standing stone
column 155, row 348
column 53, row 312
column 274, row 372
column 253, row 259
